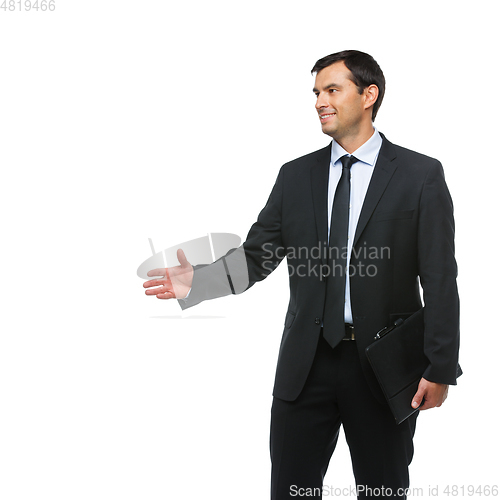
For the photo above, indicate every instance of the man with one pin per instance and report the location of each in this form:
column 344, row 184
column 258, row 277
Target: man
column 382, row 213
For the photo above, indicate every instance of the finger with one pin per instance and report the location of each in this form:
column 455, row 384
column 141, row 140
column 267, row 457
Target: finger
column 157, row 272
column 166, row 295
column 429, row 401
column 426, row 406
column 150, row 283
column 417, row 399
column 160, row 289
column 181, row 257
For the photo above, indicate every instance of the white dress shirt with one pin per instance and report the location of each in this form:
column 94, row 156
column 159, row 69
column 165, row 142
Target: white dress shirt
column 361, row 173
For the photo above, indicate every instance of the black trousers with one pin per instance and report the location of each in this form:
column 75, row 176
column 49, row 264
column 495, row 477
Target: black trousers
column 304, row 432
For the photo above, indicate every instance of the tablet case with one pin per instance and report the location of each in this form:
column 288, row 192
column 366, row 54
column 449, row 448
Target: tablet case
column 398, row 360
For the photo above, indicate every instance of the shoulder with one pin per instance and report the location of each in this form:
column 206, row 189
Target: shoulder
column 411, row 162
column 310, row 159
column 392, row 150
column 298, row 171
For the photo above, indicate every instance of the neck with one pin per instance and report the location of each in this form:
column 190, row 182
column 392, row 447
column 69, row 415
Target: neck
column 351, row 142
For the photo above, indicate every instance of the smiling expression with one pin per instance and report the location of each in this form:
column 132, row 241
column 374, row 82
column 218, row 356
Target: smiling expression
column 342, row 110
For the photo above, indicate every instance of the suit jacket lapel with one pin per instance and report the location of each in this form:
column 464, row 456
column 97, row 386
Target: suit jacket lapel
column 382, row 173
column 320, row 172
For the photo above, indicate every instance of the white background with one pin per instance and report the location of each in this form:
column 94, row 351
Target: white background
column 124, row 120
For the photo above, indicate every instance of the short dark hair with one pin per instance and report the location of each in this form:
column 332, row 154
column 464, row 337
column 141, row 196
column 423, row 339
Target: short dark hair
column 364, row 70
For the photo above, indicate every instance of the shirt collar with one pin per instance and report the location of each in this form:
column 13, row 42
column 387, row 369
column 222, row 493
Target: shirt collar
column 367, row 152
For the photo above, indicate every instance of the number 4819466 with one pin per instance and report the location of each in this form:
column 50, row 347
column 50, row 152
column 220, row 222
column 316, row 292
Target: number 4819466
column 27, row 5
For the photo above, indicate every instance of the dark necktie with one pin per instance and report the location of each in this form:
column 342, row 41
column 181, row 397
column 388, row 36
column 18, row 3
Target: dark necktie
column 333, row 317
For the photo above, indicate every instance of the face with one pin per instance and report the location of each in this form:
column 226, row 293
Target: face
column 342, row 110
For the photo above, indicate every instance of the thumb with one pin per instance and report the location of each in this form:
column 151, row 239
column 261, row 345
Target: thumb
column 182, row 258
column 419, row 395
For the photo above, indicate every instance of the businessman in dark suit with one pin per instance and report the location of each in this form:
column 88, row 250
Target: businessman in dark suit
column 361, row 222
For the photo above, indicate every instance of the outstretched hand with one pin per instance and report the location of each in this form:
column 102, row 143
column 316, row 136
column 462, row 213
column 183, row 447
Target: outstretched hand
column 433, row 393
column 175, row 282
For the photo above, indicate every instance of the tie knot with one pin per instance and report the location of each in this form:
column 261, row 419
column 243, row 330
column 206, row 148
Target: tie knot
column 347, row 161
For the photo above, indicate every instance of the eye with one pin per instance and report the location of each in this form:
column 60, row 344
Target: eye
column 332, row 90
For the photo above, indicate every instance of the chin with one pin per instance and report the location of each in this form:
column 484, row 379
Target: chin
column 329, row 132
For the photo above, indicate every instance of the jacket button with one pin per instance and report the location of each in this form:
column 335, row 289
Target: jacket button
column 317, row 321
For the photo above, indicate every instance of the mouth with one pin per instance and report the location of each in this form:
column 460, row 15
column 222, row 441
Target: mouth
column 325, row 117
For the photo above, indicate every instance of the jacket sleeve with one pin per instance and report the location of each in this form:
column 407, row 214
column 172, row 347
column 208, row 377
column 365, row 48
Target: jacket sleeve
column 241, row 267
column 438, row 272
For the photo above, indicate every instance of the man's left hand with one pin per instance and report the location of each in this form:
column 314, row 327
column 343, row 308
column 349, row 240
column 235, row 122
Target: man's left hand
column 433, row 393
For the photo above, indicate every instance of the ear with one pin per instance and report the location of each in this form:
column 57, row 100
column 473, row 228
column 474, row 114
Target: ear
column 370, row 94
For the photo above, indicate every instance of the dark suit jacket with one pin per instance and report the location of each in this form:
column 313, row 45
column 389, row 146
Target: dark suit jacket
column 405, row 234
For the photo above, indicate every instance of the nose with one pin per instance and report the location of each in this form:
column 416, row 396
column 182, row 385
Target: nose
column 321, row 101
